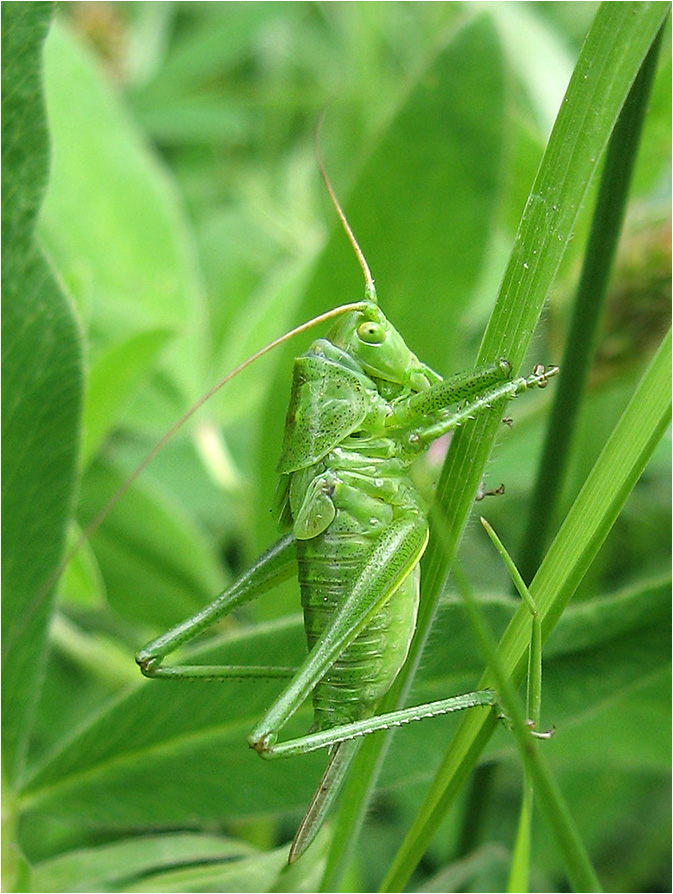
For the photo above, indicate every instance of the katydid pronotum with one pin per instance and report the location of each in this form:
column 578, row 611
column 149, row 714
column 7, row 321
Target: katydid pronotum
column 362, row 409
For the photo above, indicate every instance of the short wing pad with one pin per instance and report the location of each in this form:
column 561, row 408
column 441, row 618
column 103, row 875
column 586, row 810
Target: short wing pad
column 327, row 403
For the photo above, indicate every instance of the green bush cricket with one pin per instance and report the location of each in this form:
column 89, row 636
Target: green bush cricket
column 362, row 409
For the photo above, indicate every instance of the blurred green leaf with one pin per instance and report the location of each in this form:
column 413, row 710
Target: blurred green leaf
column 256, row 873
column 112, row 222
column 82, row 583
column 456, row 876
column 111, row 383
column 109, row 866
column 153, row 541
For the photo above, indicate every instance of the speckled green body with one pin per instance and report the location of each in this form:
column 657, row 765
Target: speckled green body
column 344, row 486
column 328, row 565
column 362, row 409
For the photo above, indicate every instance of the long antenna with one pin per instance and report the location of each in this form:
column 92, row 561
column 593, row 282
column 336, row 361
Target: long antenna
column 370, row 289
column 335, row 312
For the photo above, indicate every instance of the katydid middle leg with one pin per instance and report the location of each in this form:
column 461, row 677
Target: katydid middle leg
column 277, row 564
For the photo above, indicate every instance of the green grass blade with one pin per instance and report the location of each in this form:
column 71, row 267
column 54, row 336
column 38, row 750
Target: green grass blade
column 605, row 230
column 611, row 57
column 585, row 528
column 519, row 870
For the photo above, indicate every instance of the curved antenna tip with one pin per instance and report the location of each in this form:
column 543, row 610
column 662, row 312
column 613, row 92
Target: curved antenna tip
column 370, row 289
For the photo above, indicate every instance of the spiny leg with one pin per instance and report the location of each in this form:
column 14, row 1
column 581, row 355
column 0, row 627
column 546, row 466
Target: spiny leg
column 347, row 740
column 343, row 733
column 275, row 565
column 462, row 386
column 411, row 414
column 534, row 675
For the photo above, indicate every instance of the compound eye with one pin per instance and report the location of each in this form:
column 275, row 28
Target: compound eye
column 371, row 333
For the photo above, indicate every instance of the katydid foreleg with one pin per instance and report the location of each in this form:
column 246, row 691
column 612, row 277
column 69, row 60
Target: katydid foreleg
column 411, row 415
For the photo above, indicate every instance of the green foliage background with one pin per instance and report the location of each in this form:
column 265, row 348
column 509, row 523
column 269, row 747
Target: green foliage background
column 185, row 217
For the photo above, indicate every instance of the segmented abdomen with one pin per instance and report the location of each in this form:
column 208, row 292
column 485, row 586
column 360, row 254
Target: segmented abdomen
column 329, row 566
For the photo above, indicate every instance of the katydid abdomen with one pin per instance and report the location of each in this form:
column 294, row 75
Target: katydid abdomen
column 366, row 669
column 329, row 564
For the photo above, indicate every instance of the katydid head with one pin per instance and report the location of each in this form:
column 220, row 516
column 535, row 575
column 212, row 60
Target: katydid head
column 369, row 337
